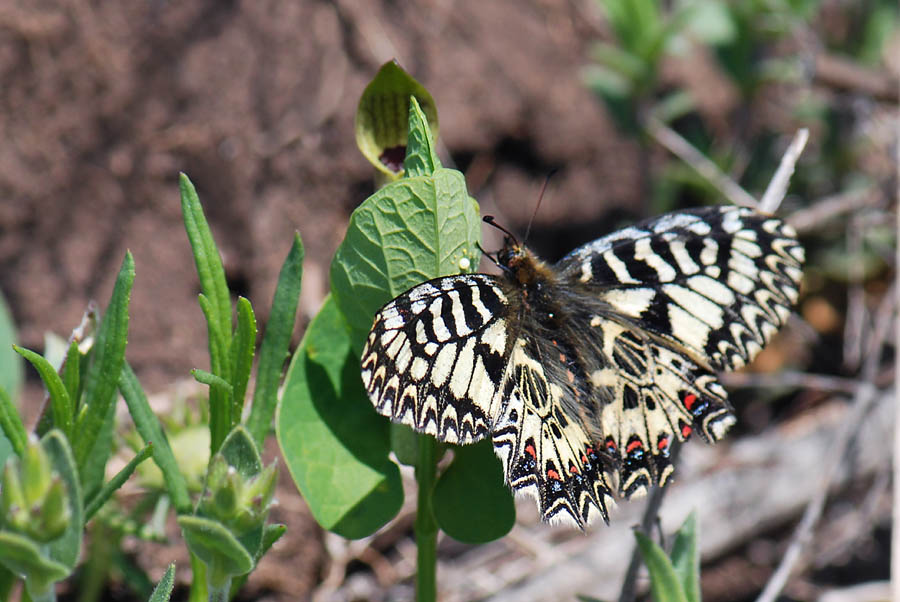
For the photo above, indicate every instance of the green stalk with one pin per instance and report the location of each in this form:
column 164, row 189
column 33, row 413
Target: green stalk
column 426, row 528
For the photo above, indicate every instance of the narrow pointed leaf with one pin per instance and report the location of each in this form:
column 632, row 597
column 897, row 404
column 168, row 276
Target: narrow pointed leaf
column 61, row 407
column 71, row 375
column 206, row 256
column 163, row 590
column 664, row 583
column 102, row 379
column 148, row 427
column 276, row 343
column 11, row 424
column 421, row 158
column 686, row 558
column 116, row 482
column 242, row 349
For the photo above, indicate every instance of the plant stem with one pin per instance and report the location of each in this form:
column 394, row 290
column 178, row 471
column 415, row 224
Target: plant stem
column 426, row 528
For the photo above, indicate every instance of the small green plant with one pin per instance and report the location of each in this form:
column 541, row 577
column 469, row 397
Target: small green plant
column 54, row 488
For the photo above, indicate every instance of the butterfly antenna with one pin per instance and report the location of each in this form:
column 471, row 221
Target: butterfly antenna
column 540, row 198
column 486, row 254
column 489, row 219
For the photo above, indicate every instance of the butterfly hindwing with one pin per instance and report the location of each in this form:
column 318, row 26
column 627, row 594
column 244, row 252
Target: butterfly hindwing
column 545, row 448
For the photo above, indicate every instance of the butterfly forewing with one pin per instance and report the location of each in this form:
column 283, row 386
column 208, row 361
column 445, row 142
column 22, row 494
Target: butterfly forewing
column 436, row 356
column 584, row 373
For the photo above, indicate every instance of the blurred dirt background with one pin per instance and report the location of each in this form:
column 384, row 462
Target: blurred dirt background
column 103, row 103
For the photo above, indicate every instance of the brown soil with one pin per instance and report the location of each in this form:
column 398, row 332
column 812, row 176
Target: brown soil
column 102, row 104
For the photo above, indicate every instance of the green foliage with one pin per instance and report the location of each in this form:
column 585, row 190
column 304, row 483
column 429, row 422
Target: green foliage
column 475, row 476
column 41, row 515
column 674, row 578
column 228, row 529
column 416, row 228
column 163, row 590
column 334, row 444
column 52, row 489
column 11, row 374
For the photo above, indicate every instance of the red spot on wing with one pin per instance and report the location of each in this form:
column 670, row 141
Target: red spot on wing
column 573, row 469
column 611, row 445
column 689, row 400
column 552, row 474
column 663, row 443
column 589, row 450
column 529, row 449
column 636, row 444
column 685, row 430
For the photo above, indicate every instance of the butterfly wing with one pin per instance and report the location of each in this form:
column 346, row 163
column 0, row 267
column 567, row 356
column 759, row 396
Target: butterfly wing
column 670, row 302
column 451, row 358
column 436, row 356
column 717, row 282
column 543, row 440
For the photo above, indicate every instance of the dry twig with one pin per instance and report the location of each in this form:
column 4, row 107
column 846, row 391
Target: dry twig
column 778, row 186
column 684, row 150
column 832, row 207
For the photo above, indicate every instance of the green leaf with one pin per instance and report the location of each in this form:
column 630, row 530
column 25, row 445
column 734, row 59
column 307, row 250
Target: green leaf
column 215, row 301
column 276, row 342
column 11, row 425
column 163, row 590
column 333, row 442
column 381, row 117
column 242, row 350
column 404, row 444
column 93, row 430
column 116, row 482
column 213, row 543
column 147, row 424
column 421, row 158
column 664, row 583
column 272, row 534
column 686, row 558
column 206, row 257
column 23, row 557
column 71, row 375
column 61, row 406
column 410, row 231
column 11, row 369
column 211, row 380
column 471, row 502
column 67, row 547
column 11, row 375
column 241, row 453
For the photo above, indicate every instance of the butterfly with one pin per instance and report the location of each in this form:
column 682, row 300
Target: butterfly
column 585, row 372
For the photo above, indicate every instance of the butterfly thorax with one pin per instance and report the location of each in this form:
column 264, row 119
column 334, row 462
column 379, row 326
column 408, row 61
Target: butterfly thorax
column 535, row 279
